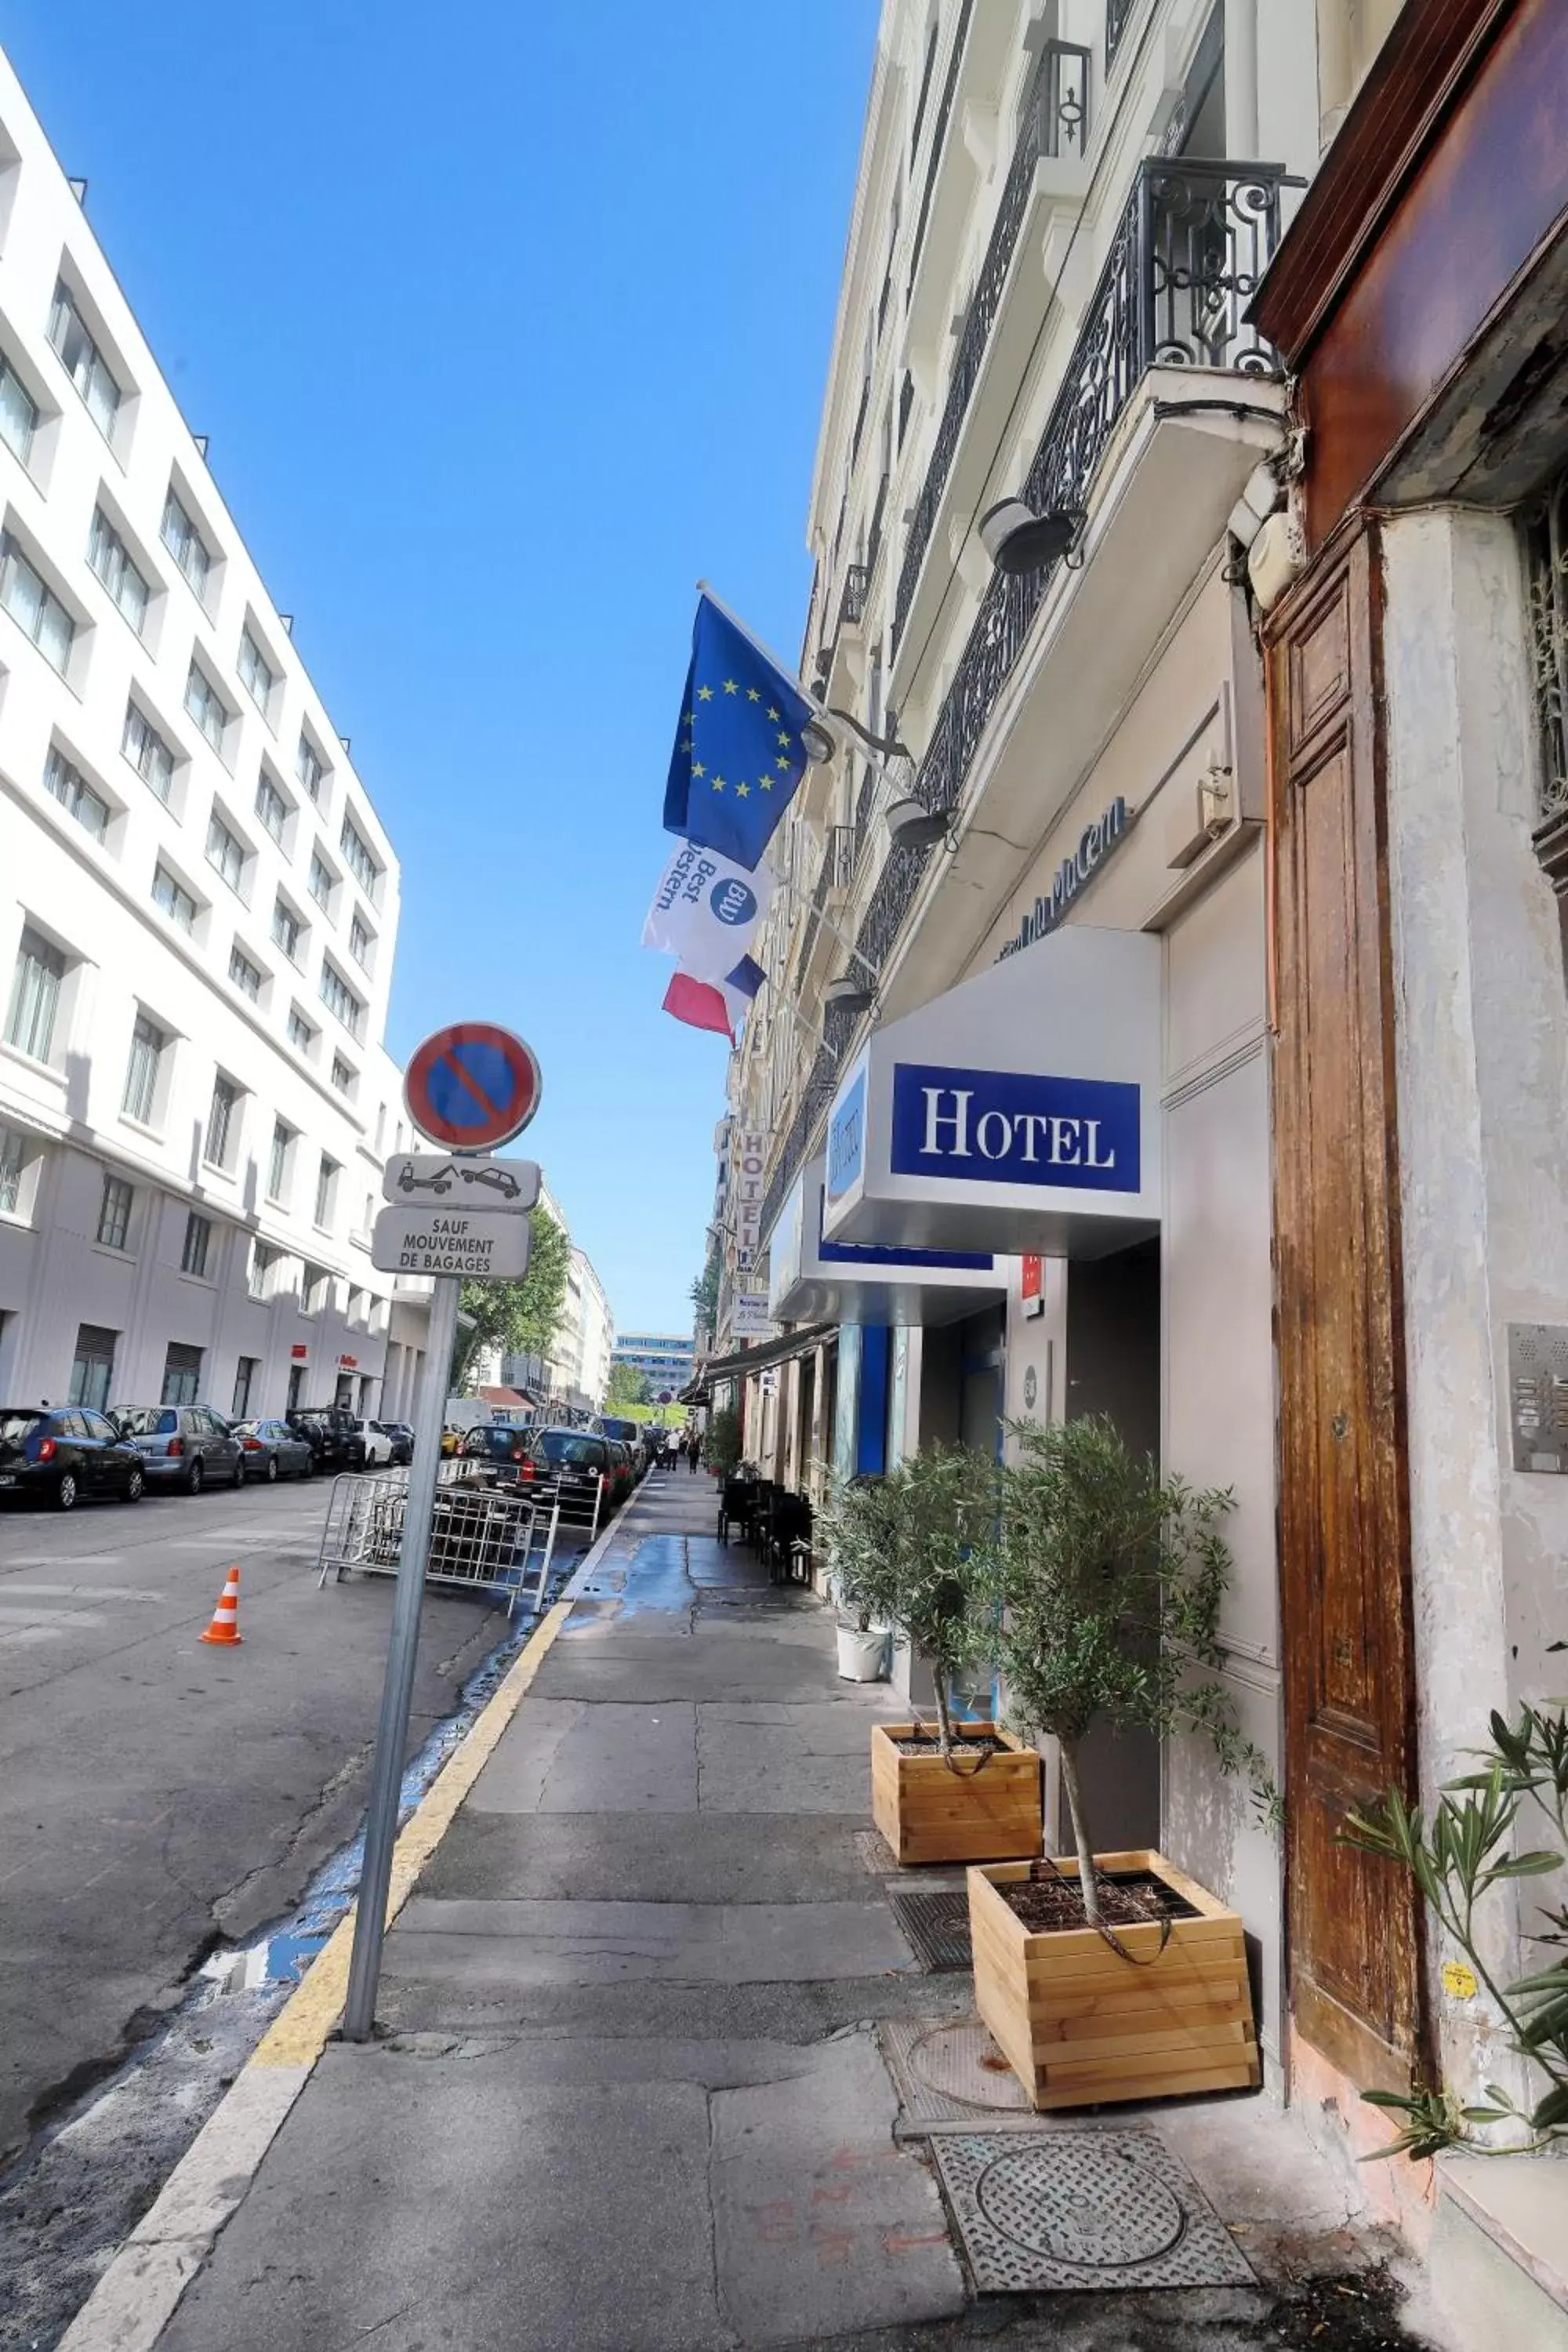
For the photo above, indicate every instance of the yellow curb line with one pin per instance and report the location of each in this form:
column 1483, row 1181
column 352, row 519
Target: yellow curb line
column 298, row 2034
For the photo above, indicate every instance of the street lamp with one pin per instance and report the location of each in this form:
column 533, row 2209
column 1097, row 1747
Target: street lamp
column 1020, row 541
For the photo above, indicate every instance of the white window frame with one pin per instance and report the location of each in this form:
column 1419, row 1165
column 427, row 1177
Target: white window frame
column 88, row 370
column 195, row 1224
column 225, row 853
column 18, row 571
column 151, row 756
column 182, row 535
column 340, row 999
column 249, row 982
column 143, row 1069
column 21, row 446
column 27, row 1023
column 202, row 701
column 256, row 673
column 109, row 557
column 222, row 1128
column 174, row 899
column 360, row 859
column 270, row 806
column 116, row 1206
column 290, row 947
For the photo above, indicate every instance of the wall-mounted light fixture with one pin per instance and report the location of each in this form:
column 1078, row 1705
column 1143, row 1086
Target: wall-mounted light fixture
column 1018, row 541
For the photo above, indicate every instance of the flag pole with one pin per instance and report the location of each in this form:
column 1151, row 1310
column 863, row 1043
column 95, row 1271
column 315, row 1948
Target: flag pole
column 704, row 588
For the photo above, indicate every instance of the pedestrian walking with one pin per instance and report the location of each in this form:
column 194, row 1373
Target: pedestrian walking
column 693, row 1449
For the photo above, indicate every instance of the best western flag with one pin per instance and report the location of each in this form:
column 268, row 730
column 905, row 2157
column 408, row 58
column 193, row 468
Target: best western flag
column 738, row 751
column 706, row 911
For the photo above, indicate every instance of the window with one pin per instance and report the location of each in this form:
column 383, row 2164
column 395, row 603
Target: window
column 326, row 1183
column 114, row 1212
column 338, row 998
column 186, row 545
column 224, row 851
column 270, row 806
column 343, row 1075
column 314, row 1289
column 182, row 1374
column 83, row 362
column 247, row 976
column 18, row 413
column 106, row 553
column 262, row 1260
column 358, row 859
column 278, row 1161
column 300, row 1033
column 323, row 882
column 147, row 752
column 287, row 929
column 141, row 1096
column 359, row 943
column 206, row 706
column 244, row 1373
column 255, row 672
column 75, row 795
column 92, row 1367
column 174, row 900
column 37, row 610
column 221, row 1120
column 198, row 1245
column 309, row 769
column 13, row 1161
column 35, row 996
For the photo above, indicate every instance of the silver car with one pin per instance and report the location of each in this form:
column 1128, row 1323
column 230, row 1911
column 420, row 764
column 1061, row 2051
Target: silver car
column 186, row 1445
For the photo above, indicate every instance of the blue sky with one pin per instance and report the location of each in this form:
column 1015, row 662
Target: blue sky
column 506, row 324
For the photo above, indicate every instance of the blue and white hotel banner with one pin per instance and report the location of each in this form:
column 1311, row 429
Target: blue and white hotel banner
column 1019, row 1111
column 817, row 1281
column 706, row 911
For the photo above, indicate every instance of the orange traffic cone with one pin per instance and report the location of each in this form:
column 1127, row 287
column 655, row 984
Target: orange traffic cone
column 224, row 1626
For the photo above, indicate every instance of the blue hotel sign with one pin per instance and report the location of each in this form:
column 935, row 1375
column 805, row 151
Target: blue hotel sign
column 847, row 1140
column 1007, row 1127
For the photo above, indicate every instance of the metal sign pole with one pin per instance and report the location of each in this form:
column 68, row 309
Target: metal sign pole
column 392, row 1733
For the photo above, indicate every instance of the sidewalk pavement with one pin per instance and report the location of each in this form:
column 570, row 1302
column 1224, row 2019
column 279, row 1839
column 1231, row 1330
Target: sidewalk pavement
column 629, row 2098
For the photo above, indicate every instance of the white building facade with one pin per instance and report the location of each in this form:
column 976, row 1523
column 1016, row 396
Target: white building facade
column 667, row 1359
column 198, row 904
column 1060, row 215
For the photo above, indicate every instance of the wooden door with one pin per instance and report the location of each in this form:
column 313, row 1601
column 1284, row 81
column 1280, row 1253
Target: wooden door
column 1344, row 1553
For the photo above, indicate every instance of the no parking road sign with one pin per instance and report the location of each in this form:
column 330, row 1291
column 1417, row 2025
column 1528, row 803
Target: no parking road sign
column 472, row 1086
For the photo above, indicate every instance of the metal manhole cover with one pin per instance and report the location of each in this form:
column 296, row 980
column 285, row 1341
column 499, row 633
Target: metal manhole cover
column 1082, row 2208
column 938, row 1927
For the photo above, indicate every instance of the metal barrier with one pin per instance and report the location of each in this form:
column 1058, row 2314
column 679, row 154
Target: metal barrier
column 483, row 1536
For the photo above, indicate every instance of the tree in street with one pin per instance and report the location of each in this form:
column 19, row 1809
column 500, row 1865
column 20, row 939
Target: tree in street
column 520, row 1318
column 626, row 1385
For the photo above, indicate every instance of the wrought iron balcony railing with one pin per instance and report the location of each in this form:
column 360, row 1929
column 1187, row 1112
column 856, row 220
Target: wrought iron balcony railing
column 852, row 603
column 1189, row 249
column 1055, row 122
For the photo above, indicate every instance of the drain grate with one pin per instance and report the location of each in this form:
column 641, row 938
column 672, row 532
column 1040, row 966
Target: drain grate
column 938, row 1927
column 1082, row 2209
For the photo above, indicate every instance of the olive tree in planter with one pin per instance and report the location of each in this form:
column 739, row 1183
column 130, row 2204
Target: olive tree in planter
column 854, row 1532
column 916, row 1538
column 1110, row 1976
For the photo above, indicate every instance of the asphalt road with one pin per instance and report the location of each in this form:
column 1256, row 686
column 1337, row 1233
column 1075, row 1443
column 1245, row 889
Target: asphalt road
column 159, row 1796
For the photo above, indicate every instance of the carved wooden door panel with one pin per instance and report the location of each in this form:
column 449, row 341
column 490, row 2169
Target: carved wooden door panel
column 1344, row 1553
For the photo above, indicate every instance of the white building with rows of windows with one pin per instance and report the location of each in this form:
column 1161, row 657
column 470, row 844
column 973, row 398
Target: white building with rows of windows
column 198, row 904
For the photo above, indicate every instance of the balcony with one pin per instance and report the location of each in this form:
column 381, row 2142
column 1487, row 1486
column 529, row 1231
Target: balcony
column 1189, row 248
column 1055, row 124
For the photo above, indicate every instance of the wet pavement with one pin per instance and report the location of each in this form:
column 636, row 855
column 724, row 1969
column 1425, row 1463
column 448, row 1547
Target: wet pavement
column 629, row 2098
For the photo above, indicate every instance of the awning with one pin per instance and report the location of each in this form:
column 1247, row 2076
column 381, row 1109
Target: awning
column 511, row 1398
column 853, row 1282
column 747, row 1360
column 1019, row 1111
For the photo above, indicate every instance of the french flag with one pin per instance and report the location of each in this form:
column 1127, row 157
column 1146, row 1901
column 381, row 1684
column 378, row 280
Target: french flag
column 722, row 1008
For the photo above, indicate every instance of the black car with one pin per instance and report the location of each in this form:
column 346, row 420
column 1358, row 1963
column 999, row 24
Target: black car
column 507, row 1451
column 332, row 1436
column 67, row 1453
column 583, row 1462
column 272, row 1451
column 402, row 1437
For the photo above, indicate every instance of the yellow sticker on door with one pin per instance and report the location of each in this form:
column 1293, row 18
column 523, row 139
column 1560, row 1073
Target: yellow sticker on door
column 1460, row 1981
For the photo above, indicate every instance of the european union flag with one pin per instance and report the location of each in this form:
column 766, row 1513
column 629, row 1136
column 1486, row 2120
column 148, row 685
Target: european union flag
column 738, row 749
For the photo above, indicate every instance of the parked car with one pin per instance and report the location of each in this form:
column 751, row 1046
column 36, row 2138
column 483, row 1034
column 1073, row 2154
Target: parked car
column 272, row 1451
column 623, row 1472
column 186, row 1445
column 628, row 1433
column 374, row 1446
column 580, row 1459
column 451, row 1440
column 332, row 1434
column 505, row 1449
column 67, row 1453
column 402, row 1437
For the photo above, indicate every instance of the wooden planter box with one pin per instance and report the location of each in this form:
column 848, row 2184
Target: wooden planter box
column 930, row 1814
column 1080, row 2025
